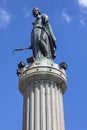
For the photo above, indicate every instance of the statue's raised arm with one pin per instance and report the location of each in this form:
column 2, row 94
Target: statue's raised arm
column 42, row 37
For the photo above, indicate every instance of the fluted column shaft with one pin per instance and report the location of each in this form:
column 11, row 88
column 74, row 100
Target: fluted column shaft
column 43, row 107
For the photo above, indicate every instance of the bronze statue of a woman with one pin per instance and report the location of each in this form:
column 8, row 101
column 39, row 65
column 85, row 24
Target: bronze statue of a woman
column 42, row 37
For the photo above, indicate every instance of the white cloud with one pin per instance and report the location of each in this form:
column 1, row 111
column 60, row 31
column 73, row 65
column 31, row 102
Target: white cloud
column 27, row 12
column 4, row 18
column 82, row 22
column 83, row 3
column 66, row 17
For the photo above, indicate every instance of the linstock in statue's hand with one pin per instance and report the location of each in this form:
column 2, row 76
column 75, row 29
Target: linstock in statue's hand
column 20, row 49
column 17, row 49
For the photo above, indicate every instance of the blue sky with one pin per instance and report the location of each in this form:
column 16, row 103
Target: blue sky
column 69, row 22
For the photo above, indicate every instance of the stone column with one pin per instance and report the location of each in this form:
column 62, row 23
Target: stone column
column 42, row 85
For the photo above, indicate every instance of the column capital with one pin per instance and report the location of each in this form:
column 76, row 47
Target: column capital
column 42, row 69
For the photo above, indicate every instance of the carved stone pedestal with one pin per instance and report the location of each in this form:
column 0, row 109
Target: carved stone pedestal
column 42, row 85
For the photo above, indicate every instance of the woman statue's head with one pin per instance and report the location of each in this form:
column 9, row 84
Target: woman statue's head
column 36, row 12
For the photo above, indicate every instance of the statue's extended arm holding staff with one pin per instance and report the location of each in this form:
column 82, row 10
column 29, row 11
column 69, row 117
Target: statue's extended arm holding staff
column 42, row 37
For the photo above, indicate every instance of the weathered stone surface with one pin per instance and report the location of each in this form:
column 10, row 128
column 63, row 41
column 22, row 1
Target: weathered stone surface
column 44, row 69
column 42, row 85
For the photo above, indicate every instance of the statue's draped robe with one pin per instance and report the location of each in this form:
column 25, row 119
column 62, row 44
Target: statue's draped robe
column 42, row 38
